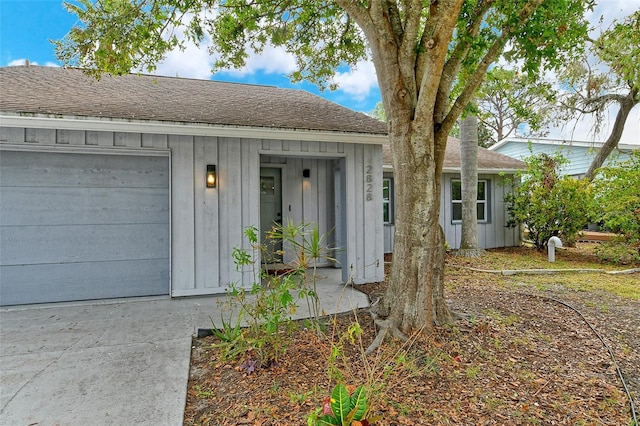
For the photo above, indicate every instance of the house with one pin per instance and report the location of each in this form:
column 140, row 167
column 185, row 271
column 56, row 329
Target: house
column 492, row 210
column 579, row 154
column 142, row 185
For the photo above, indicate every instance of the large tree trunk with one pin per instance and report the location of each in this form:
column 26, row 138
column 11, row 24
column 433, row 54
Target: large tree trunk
column 626, row 105
column 415, row 294
column 469, row 179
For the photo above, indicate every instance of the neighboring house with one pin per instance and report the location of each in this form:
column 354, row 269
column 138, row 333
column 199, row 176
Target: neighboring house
column 579, row 154
column 103, row 189
column 492, row 211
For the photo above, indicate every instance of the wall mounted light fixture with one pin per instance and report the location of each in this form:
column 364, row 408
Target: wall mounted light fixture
column 211, row 176
column 306, row 173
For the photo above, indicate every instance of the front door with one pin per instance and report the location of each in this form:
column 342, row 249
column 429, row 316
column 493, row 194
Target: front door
column 270, row 210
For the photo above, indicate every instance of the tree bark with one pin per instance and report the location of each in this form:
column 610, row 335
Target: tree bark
column 414, row 299
column 469, row 180
column 416, row 83
column 612, row 141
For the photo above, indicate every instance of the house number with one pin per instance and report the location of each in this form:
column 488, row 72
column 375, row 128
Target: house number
column 368, row 182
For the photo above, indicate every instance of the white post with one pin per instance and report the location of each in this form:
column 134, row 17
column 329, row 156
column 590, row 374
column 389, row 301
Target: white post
column 551, row 247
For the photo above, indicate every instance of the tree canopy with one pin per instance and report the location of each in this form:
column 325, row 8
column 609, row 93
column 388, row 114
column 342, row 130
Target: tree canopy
column 508, row 100
column 430, row 57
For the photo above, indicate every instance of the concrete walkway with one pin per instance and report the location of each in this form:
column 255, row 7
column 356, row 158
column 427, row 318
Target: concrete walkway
column 122, row 362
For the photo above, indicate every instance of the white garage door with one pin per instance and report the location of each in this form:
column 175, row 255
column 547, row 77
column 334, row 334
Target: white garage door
column 82, row 226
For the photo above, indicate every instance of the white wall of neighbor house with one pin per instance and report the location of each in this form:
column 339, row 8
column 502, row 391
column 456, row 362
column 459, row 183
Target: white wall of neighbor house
column 579, row 155
column 492, row 232
column 207, row 223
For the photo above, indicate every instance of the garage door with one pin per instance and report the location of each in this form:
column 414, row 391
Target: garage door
column 82, row 226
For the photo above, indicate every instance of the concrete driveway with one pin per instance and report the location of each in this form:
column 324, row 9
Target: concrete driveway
column 119, row 362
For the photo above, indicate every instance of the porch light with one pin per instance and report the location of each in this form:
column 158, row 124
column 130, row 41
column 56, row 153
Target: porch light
column 211, row 175
column 306, row 173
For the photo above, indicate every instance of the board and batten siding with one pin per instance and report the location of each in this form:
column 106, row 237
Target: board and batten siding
column 491, row 234
column 342, row 196
column 206, row 224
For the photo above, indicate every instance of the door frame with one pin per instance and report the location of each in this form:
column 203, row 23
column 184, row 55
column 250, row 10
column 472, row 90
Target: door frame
column 274, row 258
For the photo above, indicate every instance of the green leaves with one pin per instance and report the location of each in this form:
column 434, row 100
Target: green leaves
column 341, row 403
column 118, row 36
column 547, row 203
column 619, row 47
column 617, row 197
column 346, row 408
column 508, row 98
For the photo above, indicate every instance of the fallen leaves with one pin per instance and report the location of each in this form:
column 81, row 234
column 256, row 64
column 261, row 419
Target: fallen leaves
column 512, row 360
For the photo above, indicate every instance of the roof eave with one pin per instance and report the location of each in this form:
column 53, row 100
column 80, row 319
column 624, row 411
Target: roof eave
column 507, row 171
column 561, row 143
column 11, row 119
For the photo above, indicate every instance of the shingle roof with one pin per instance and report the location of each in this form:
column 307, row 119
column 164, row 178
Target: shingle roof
column 487, row 160
column 70, row 92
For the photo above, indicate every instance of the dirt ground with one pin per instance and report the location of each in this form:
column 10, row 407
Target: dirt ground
column 516, row 354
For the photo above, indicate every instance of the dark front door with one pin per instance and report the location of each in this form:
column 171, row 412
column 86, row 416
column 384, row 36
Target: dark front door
column 270, row 210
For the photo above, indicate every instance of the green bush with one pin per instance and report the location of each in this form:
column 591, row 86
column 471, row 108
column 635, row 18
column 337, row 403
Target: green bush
column 548, row 204
column 617, row 200
column 618, row 252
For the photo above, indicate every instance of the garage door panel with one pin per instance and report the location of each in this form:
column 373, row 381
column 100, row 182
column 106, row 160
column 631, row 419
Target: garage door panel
column 29, row 245
column 62, row 206
column 82, row 226
column 46, row 169
column 82, row 281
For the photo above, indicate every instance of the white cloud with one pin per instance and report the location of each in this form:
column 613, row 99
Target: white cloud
column 358, row 81
column 19, row 62
column 582, row 129
column 609, row 10
column 272, row 60
column 193, row 62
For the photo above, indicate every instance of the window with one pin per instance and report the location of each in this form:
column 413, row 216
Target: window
column 386, row 200
column 456, row 200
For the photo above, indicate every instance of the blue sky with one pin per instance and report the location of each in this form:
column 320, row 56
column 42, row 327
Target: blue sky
column 26, row 26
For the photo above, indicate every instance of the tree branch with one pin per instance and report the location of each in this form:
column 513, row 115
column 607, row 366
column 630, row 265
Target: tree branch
column 475, row 79
column 459, row 53
column 616, row 133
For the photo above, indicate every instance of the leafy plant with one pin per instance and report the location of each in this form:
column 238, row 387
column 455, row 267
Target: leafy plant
column 343, row 408
column 379, row 371
column 618, row 252
column 267, row 306
column 547, row 203
column 231, row 336
column 617, row 200
column 308, row 248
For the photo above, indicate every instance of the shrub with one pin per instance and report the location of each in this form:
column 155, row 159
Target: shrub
column 549, row 204
column 265, row 308
column 617, row 200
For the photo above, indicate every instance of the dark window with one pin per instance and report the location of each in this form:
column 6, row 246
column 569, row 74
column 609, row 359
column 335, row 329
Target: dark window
column 386, row 200
column 456, row 200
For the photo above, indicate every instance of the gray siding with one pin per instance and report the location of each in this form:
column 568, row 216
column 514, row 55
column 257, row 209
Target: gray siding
column 335, row 197
column 207, row 223
column 492, row 234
